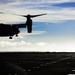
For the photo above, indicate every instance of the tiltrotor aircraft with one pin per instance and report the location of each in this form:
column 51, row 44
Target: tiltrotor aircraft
column 9, row 30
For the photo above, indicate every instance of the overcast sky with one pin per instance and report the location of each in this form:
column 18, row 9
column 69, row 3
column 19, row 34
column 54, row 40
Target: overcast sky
column 54, row 32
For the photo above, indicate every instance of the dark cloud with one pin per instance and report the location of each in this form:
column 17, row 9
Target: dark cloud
column 34, row 1
column 6, row 1
column 1, row 12
column 67, row 4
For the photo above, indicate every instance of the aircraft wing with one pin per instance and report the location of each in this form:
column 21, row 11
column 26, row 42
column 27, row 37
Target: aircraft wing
column 14, row 25
column 19, row 25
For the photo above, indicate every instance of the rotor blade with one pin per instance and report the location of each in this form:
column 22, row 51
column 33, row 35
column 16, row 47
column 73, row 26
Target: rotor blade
column 23, row 15
column 32, row 16
column 20, row 15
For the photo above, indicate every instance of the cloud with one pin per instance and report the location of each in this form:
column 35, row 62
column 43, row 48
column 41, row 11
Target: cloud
column 6, row 1
column 23, row 46
column 2, row 12
column 24, row 7
column 33, row 33
column 38, row 4
column 54, row 14
column 66, row 5
column 42, row 44
column 13, row 44
column 5, row 46
column 42, row 1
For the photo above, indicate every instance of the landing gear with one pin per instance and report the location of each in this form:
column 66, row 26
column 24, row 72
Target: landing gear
column 16, row 35
column 10, row 37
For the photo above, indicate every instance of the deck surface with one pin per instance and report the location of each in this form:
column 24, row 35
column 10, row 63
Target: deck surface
column 37, row 63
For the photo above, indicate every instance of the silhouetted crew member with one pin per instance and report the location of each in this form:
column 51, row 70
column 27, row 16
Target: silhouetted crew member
column 29, row 24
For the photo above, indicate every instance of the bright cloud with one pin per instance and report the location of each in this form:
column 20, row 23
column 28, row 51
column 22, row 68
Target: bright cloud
column 52, row 15
column 42, row 46
column 40, row 1
column 34, row 33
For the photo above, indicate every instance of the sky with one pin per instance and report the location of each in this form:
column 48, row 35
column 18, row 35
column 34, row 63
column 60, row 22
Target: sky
column 54, row 32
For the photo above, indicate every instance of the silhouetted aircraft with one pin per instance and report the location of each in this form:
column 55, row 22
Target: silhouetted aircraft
column 13, row 29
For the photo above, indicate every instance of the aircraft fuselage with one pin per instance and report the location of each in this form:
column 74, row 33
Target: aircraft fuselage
column 8, row 30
